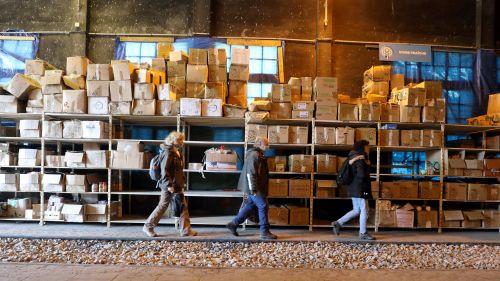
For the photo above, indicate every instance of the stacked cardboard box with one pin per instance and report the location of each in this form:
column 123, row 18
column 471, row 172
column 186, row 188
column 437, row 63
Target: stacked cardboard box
column 325, row 95
column 300, row 188
column 144, row 93
column 325, row 188
column 99, row 85
column 298, row 215
column 196, row 73
column 29, row 157
column 368, row 134
column 176, row 72
column 120, row 88
column 277, row 163
column 53, row 183
column 369, row 111
column 219, row 159
column 30, row 182
column 29, row 128
column 128, row 155
column 344, row 135
column 376, row 82
column 35, row 101
column 238, row 77
column 326, row 163
column 9, row 182
column 301, row 163
column 278, row 215
column 278, row 188
column 324, row 135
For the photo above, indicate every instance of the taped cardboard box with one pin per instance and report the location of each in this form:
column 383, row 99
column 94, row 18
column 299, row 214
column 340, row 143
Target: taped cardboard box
column 29, row 128
column 298, row 215
column 77, row 65
column 122, row 69
column 281, row 110
column 302, row 114
column 301, row 163
column 237, row 100
column 300, row 188
column 433, row 89
column 411, row 137
column 375, row 88
column 298, row 134
column 54, row 161
column 190, row 107
column 306, row 93
column 217, row 56
column 121, row 90
column 76, row 183
column 325, row 188
column 163, row 49
column 240, row 56
column 144, row 107
column 75, row 159
column 95, row 130
column 277, row 163
column 10, row 182
column 215, row 90
column 98, row 105
column 211, row 107
column 427, row 219
column 195, row 90
column 405, row 218
column 52, row 129
column 98, row 88
column 74, row 101
column 378, row 73
column 167, row 107
column 389, row 112
column 75, row 82
column 409, row 96
column 217, row 73
column 99, row 72
column 491, row 219
column 35, row 67
column 344, row 135
column 326, row 163
column 348, row 112
column 281, row 93
column 278, row 215
column 96, row 159
column 197, row 73
column 278, row 188
column 326, row 112
column 325, row 87
column 120, row 108
column 455, row 191
column 239, row 72
column 197, row 56
column 453, row 218
column 253, row 131
column 369, row 111
column 410, row 113
column 144, row 91
column 260, row 105
column 237, row 88
column 429, row 190
column 477, row 192
column 278, row 133
column 473, row 219
column 295, row 92
column 52, row 77
column 53, row 183
column 389, row 137
column 234, row 111
column 368, row 134
column 431, row 138
column 21, row 85
column 324, row 135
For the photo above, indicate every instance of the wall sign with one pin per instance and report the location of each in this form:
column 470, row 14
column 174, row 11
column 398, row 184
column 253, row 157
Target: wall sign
column 404, row 52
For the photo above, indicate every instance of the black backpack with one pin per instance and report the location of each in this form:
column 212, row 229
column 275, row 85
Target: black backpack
column 345, row 175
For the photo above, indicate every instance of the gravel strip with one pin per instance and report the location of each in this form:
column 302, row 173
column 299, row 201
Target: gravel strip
column 251, row 255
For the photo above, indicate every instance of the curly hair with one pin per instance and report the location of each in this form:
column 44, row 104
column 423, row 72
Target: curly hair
column 173, row 138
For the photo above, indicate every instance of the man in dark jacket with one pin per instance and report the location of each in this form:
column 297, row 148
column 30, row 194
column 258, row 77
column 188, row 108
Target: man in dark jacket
column 359, row 189
column 253, row 182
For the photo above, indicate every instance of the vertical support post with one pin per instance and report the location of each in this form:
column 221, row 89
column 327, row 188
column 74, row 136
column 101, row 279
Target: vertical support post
column 42, row 171
column 110, row 143
column 441, row 177
column 377, row 177
column 311, row 198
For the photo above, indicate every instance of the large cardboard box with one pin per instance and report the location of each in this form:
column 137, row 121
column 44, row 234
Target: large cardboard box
column 298, row 134
column 217, row 56
column 197, row 56
column 240, row 56
column 142, row 75
column 260, row 105
column 216, row 160
column 389, row 137
column 51, row 77
column 34, row 67
column 278, row 188
column 144, row 91
column 378, row 73
column 348, row 112
column 144, row 107
column 74, row 101
column 278, row 133
column 190, row 107
column 253, row 131
column 21, row 85
column 324, row 135
column 375, row 88
column 389, row 112
column 324, row 87
column 197, row 73
column 98, row 88
column 53, row 182
column 121, row 90
column 121, row 69
column 431, row 138
column 163, row 49
column 492, row 167
column 52, row 129
column 120, row 108
column 325, row 188
column 281, row 110
column 277, row 163
column 95, row 130
column 477, row 192
column 127, row 160
column 76, row 183
column 130, row 146
column 237, row 93
column 387, row 218
column 215, row 90
column 456, row 167
column 96, row 159
column 301, row 163
column 217, row 73
column 298, row 215
column 77, row 65
column 74, row 159
column 368, row 134
column 10, row 182
column 326, row 163
column 239, row 72
column 433, row 89
column 54, row 161
column 295, row 91
column 299, row 188
column 167, row 107
column 176, row 68
column 278, row 215
column 178, row 55
column 73, row 213
column 409, row 96
column 256, row 117
column 491, row 219
column 234, row 111
column 397, row 81
column 211, row 107
column 427, row 219
column 408, row 189
column 455, row 191
column 410, row 138
column 52, row 89
column 453, row 218
column 410, row 113
column 493, row 192
column 405, row 218
column 281, row 93
column 29, row 128
column 303, row 105
column 473, row 219
column 369, row 111
column 195, row 90
column 429, row 190
column 98, row 105
column 9, row 104
column 344, row 135
column 99, row 72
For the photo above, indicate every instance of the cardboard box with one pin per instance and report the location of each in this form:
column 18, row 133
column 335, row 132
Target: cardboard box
column 281, row 93
column 240, row 56
column 121, row 69
column 75, row 82
column 278, row 215
column 96, row 209
column 491, row 219
column 324, row 135
column 477, row 192
column 410, row 113
column 127, row 160
column 130, row 146
column 21, row 85
column 99, row 72
column 299, row 188
column 10, row 182
column 52, row 129
column 74, row 159
column 473, row 219
column 167, row 107
column 237, row 88
column 217, row 73
column 217, row 56
column 278, row 188
column 409, row 96
column 190, row 107
column 178, row 55
column 325, row 87
column 98, row 105
column 239, row 72
column 344, row 135
column 493, row 192
column 325, row 188
column 326, row 163
column 278, row 133
column 211, row 107
column 144, row 91
column 74, row 101
column 348, row 112
column 277, row 163
column 53, row 183
column 298, row 215
column 280, row 110
column 303, row 105
column 410, row 137
column 29, row 128
column 455, row 191
column 408, row 189
column 397, row 81
column 176, row 68
column 431, row 138
column 368, row 134
column 260, row 105
column 9, row 104
column 142, row 75
column 429, row 190
column 163, row 49
column 73, row 213
column 427, row 219
column 77, row 65
column 51, row 77
column 390, row 112
column 234, row 111
column 197, row 56
column 387, row 218
column 433, row 89
column 369, row 111
column 144, row 107
column 456, row 167
column 215, row 160
column 301, row 163
column 34, row 67
column 95, row 130
column 52, row 89
column 493, row 142
column 215, row 90
column 326, row 112
column 195, row 90
column 197, row 73
column 298, row 135
column 389, row 137
column 54, row 161
column 474, row 164
column 52, row 103
column 120, row 108
column 378, row 73
column 76, row 183
column 96, row 159
column 405, row 218
column 453, row 218
column 98, row 88
column 253, row 131
column 375, row 88
column 168, row 92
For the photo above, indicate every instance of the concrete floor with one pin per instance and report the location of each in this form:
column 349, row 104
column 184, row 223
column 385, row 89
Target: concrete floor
column 41, row 272
column 134, row 232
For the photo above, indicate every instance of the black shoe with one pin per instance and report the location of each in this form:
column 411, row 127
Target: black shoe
column 268, row 236
column 336, row 228
column 232, row 228
column 366, row 236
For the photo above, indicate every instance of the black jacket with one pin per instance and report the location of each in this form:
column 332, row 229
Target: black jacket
column 254, row 177
column 360, row 186
column 172, row 172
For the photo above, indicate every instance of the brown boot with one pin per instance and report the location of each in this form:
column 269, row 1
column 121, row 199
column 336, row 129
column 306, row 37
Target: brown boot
column 149, row 232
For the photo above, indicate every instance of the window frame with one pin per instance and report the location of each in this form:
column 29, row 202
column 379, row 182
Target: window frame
column 20, row 58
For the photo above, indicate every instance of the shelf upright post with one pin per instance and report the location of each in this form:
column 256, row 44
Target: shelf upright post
column 311, row 195
column 441, row 177
column 245, row 147
column 377, row 176
column 42, row 171
column 110, row 142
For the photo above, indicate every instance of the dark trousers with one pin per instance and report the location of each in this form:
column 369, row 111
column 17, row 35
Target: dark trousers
column 253, row 202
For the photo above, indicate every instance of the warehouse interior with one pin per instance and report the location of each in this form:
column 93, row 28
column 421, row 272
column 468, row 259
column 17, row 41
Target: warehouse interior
column 313, row 76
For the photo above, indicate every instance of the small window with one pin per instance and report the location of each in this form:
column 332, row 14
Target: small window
column 13, row 54
column 140, row 52
column 408, row 162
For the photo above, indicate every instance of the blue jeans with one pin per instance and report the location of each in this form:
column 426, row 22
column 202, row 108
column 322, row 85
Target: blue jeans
column 359, row 208
column 254, row 201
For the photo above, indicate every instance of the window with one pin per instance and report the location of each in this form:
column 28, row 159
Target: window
column 140, row 52
column 408, row 162
column 13, row 53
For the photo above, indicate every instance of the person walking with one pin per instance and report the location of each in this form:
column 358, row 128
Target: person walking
column 171, row 184
column 359, row 188
column 253, row 182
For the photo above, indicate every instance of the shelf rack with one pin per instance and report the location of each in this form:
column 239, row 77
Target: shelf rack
column 184, row 123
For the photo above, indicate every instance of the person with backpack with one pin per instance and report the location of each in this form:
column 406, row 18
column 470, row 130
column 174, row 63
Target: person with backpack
column 167, row 169
column 253, row 182
column 355, row 172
